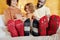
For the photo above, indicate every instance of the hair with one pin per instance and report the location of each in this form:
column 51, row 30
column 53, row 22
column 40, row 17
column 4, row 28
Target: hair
column 39, row 4
column 9, row 2
column 39, row 0
column 31, row 7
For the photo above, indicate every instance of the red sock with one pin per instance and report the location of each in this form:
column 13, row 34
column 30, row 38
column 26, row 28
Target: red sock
column 53, row 24
column 43, row 24
column 20, row 27
column 11, row 28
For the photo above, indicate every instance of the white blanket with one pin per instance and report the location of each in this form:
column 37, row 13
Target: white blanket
column 4, row 34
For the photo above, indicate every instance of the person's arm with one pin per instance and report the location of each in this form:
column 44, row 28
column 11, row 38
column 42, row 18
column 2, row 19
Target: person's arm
column 6, row 16
column 36, row 15
column 20, row 15
column 48, row 13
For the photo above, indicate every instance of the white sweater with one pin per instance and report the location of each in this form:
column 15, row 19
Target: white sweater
column 41, row 12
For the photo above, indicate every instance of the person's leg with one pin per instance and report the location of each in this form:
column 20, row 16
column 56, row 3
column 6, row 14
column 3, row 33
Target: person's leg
column 27, row 27
column 20, row 27
column 43, row 25
column 42, row 31
column 11, row 28
column 35, row 25
column 53, row 24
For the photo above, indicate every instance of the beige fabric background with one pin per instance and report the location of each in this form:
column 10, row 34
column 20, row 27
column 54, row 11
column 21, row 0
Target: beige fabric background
column 54, row 5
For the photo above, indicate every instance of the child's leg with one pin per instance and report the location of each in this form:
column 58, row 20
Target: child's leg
column 27, row 27
column 35, row 27
column 20, row 27
column 11, row 28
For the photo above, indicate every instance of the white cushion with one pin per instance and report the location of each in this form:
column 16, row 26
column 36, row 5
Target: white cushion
column 2, row 33
column 1, row 21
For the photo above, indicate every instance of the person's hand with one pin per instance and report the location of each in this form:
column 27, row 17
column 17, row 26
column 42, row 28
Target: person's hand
column 33, row 17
